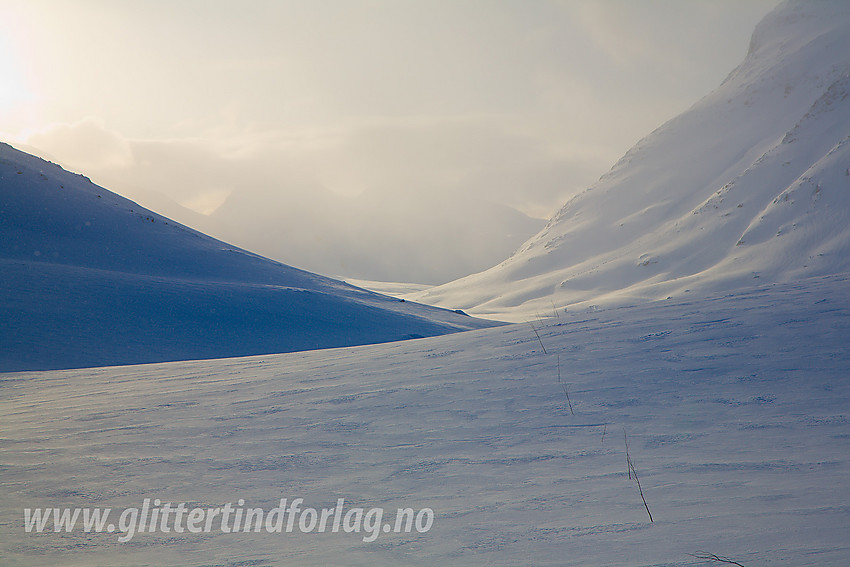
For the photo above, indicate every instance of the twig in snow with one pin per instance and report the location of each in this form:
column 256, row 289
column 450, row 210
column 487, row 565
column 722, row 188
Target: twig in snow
column 530, row 324
column 567, row 393
column 604, row 429
column 564, row 386
column 631, row 470
column 713, row 557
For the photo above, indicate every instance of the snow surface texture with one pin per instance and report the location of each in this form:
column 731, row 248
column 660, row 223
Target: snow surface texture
column 751, row 182
column 736, row 411
column 92, row 279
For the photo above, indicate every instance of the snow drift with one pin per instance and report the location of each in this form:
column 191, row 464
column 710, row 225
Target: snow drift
column 751, row 182
column 92, row 279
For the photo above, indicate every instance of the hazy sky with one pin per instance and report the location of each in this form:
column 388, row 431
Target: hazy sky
column 415, row 140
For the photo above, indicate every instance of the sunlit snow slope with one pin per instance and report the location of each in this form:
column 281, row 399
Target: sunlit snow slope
column 88, row 278
column 751, row 183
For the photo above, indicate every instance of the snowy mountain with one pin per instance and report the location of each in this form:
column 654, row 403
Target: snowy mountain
column 751, row 183
column 92, row 279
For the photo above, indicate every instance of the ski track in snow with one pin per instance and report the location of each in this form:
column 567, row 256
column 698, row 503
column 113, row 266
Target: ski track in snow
column 736, row 410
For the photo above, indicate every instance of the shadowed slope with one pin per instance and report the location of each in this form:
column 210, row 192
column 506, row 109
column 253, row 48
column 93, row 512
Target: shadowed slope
column 91, row 279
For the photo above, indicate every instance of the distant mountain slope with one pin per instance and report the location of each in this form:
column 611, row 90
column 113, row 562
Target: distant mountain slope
column 88, row 278
column 751, row 182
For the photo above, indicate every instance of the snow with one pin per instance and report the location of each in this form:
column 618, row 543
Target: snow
column 92, row 279
column 751, row 182
column 689, row 315
column 735, row 407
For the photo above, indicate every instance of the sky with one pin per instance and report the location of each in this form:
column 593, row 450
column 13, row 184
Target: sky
column 394, row 140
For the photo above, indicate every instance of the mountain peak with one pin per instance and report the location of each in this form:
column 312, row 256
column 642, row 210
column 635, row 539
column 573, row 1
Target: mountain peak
column 792, row 22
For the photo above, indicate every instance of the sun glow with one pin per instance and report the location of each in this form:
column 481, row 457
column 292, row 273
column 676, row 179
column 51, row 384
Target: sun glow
column 15, row 85
column 13, row 89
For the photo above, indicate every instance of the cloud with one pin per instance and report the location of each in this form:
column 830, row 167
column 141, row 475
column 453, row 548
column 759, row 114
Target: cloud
column 396, row 200
column 453, row 160
column 86, row 144
column 378, row 139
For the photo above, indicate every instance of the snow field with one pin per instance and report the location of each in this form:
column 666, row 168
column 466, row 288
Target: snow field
column 735, row 409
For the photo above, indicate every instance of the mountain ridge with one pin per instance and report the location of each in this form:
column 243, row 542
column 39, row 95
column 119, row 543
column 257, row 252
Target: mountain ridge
column 662, row 221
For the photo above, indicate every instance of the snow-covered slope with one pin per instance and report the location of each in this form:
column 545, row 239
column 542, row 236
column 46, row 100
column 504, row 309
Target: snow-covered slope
column 88, row 278
column 751, row 182
column 735, row 409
